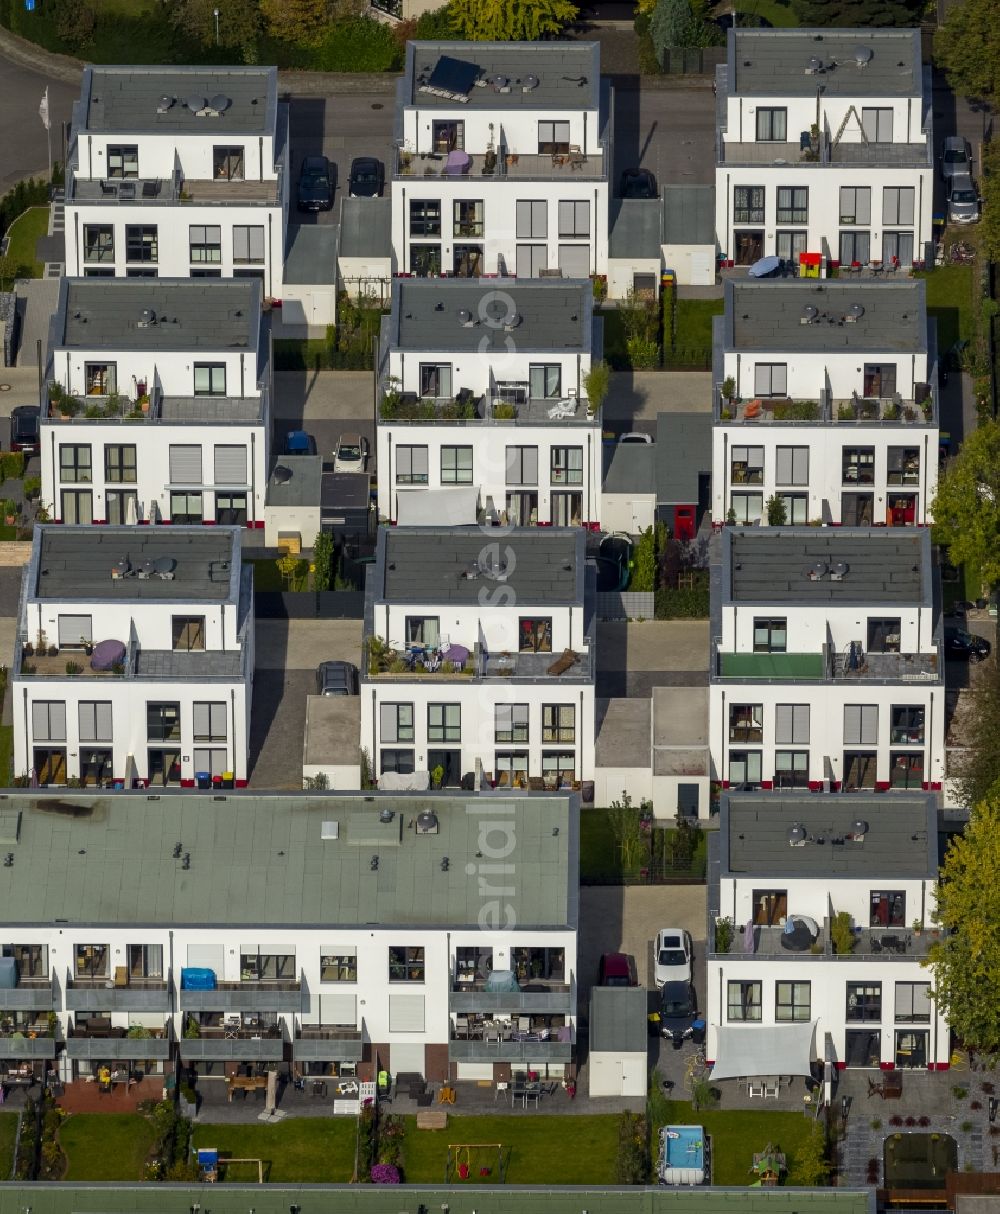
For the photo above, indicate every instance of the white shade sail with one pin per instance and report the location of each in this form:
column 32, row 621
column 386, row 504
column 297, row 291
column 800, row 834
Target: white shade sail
column 767, row 1049
column 438, row 507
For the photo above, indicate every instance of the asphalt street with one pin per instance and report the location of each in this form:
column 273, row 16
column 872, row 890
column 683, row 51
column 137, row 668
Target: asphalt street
column 22, row 135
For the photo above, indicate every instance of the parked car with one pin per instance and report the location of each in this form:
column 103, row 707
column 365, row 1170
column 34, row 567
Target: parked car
column 351, row 454
column 678, row 1012
column 956, row 157
column 963, row 199
column 672, row 956
column 24, row 429
column 337, row 679
column 635, row 436
column 962, row 646
column 298, row 442
column 617, row 969
column 367, row 177
column 316, row 184
column 638, row 183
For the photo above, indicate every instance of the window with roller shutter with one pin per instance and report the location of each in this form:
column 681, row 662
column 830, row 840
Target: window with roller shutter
column 231, row 465
column 48, row 721
column 406, row 1013
column 209, row 719
column 75, row 631
column 791, row 724
column 861, row 724
column 185, row 464
column 96, row 721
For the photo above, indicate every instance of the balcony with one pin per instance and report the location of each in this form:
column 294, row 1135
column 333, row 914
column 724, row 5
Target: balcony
column 279, row 996
column 30, row 995
column 319, row 1043
column 882, row 944
column 824, row 153
column 461, row 1050
column 828, row 665
column 234, row 1045
column 119, row 1044
column 466, row 409
column 857, row 410
column 176, row 190
column 35, row 1041
column 470, row 997
column 389, row 665
column 504, row 166
column 68, row 663
column 125, row 995
column 156, row 407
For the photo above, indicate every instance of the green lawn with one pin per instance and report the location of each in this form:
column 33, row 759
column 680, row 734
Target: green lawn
column 267, row 576
column 538, row 1150
column 105, row 1146
column 693, row 337
column 950, row 301
column 8, row 1132
column 303, row 1150
column 600, row 856
column 735, row 1136
column 24, row 233
column 6, row 755
column 779, row 15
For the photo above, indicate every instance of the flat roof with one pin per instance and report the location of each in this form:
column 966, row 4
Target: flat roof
column 333, row 730
column 636, row 228
column 298, row 483
column 845, row 62
column 900, row 839
column 825, row 316
column 312, row 254
column 623, row 729
column 432, row 564
column 689, row 215
column 71, row 564
column 618, row 1020
column 264, row 860
column 366, row 227
column 211, row 314
column 885, row 565
column 478, row 315
column 517, row 75
column 131, row 99
column 683, row 454
column 632, row 469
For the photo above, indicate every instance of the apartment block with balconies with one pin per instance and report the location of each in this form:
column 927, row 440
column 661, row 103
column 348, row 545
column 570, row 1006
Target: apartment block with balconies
column 827, row 399
column 483, row 409
column 824, row 146
column 826, row 670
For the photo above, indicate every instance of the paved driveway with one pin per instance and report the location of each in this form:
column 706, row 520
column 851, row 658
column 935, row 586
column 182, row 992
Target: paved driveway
column 633, row 658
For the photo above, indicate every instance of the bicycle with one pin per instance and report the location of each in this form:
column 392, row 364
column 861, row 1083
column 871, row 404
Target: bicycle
column 695, row 1070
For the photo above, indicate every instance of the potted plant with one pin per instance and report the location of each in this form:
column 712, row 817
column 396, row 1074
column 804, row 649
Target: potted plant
column 88, row 645
column 814, row 138
column 53, row 651
column 9, row 511
column 918, row 926
column 729, row 388
column 437, row 776
column 73, row 667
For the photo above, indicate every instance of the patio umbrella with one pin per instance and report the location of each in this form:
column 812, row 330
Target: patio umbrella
column 766, row 265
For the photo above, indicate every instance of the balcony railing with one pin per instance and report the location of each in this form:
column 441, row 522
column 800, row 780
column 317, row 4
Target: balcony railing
column 54, row 665
column 389, row 665
column 556, row 999
column 225, row 1045
column 176, row 190
column 461, row 1050
column 505, row 165
column 105, row 994
column 28, row 1043
column 278, row 996
column 30, row 995
column 822, row 152
column 327, row 1044
column 857, row 410
column 828, row 665
column 130, row 1046
column 881, row 944
column 466, row 409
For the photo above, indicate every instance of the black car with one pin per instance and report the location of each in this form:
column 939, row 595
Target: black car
column 24, row 429
column 367, row 178
column 962, row 646
column 678, row 1009
column 638, row 183
column 316, row 184
column 336, row 679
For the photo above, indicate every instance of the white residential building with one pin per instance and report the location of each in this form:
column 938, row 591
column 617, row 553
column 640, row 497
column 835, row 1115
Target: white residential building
column 322, row 935
column 484, row 387
column 826, row 670
column 779, row 996
column 502, row 160
column 134, row 657
column 824, row 146
column 178, row 172
column 830, row 404
column 157, row 406
column 479, row 653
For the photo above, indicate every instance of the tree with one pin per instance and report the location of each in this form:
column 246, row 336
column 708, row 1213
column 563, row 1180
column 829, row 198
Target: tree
column 777, row 514
column 323, row 560
column 75, row 20
column 967, row 46
column 978, row 737
column 850, row 14
column 510, row 20
column 239, row 23
column 967, row 507
column 989, row 185
column 301, row 21
column 965, row 962
column 596, row 383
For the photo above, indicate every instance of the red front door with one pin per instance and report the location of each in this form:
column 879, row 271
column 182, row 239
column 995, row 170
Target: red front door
column 684, row 528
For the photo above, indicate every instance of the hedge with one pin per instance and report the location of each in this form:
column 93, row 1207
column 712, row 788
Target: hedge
column 686, row 604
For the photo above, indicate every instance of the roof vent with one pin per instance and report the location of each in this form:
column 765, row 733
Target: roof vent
column 465, row 318
column 493, row 565
column 385, row 816
column 427, row 823
column 854, row 313
column 814, row 66
column 809, row 314
column 862, row 56
column 164, row 104
column 512, row 322
column 796, row 835
column 329, row 830
column 859, row 828
column 529, row 83
column 500, row 83
column 282, row 475
column 220, row 103
column 839, row 571
column 147, row 318
column 817, row 571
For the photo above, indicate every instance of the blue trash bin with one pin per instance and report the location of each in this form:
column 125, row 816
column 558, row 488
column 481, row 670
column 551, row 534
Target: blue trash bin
column 203, row 779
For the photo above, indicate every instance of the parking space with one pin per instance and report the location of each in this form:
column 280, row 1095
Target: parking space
column 670, row 131
column 633, row 658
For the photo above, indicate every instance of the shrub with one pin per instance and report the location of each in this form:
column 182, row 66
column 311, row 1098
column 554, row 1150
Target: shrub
column 384, row 1173
column 777, row 514
column 811, row 1167
column 895, row 1120
column 876, row 1123
column 923, row 1121
column 723, row 935
column 357, row 44
column 12, row 468
column 842, row 933
column 644, row 562
column 323, row 560
column 632, row 1164
column 966, row 1127
column 690, row 603
column 910, row 1122
column 959, row 1092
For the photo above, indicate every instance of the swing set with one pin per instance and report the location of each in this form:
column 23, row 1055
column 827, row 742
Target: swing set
column 476, row 1161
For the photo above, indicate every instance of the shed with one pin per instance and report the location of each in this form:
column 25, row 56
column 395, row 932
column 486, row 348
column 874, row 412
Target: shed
column 634, row 257
column 292, row 507
column 332, row 741
column 628, row 497
column 365, row 258
column 618, row 1030
column 683, row 470
column 689, row 248
column 309, row 295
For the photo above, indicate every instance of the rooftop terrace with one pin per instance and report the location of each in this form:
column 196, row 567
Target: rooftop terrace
column 501, row 76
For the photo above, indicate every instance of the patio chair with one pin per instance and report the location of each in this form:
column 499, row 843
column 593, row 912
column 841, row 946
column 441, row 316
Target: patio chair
column 755, row 1087
column 772, row 1087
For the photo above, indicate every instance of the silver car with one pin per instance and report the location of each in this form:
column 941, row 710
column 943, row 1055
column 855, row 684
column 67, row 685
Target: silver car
column 963, row 200
column 956, row 157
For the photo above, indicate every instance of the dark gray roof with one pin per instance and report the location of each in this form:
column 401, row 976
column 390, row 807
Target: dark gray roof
column 470, row 315
column 618, row 1019
column 211, row 314
column 636, row 225
column 366, row 227
column 901, row 839
column 302, row 488
column 75, row 563
column 345, row 491
column 771, row 565
column 430, row 564
column 683, row 452
column 568, row 74
column 776, row 63
column 312, row 255
column 128, row 99
column 109, row 860
column 632, row 469
column 769, row 315
column 689, row 214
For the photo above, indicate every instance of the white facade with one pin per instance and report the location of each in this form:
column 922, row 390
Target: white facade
column 834, row 413
column 826, row 681
column 178, row 172
column 170, row 414
column 527, row 129
column 170, row 696
column 872, row 1007
column 824, row 145
column 522, row 706
column 487, row 388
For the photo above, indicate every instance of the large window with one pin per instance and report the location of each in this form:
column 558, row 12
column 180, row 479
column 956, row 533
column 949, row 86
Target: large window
column 411, row 465
column 791, row 243
column 163, row 722
column 860, row 724
column 574, row 220
column 248, row 245
column 48, row 721
column 567, row 465
column 522, row 465
column 448, row 135
column 743, row 1001
column 267, row 967
column 747, row 507
column 791, row 465
column 791, row 724
column 398, row 761
column 772, row 124
column 227, row 163
column 907, row 725
column 913, row 1002
column 897, row 204
column 119, row 464
column 747, row 466
column 796, row 508
column 77, row 506
column 144, row 961
column 444, row 722
column 744, row 768
column 792, row 1001
column 123, row 160
column 456, row 465
column 511, row 723
column 467, row 217
column 141, row 243
column 205, row 243
column 532, row 219
column 553, row 138
column 91, row 960
column 425, row 217
column 425, row 259
column 855, row 248
column 858, row 465
column 558, row 723
column 230, row 509
column 535, row 634
column 907, row 770
column 883, row 634
column 74, row 463
column 876, row 122
column 770, row 635
column 32, row 960
column 187, row 633
column 435, row 381
column 793, row 204
column 185, row 507
column 544, row 380
column 406, row 964
column 791, row 769
column 101, row 378
column 395, row 723
column 864, row 1001
column 770, row 379
column 531, row 260
column 897, row 248
column 95, row 720
column 887, row 908
column 98, row 242
column 748, row 204
column 746, row 723
column 855, row 204
column 210, row 379
column 423, row 630
column 511, row 767
column 340, row 965
column 209, row 720
column 117, row 506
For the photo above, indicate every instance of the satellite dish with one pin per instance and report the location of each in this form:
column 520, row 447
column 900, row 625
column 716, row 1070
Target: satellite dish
column 856, row 310
column 809, row 312
column 464, row 316
column 195, row 104
column 164, row 104
column 220, row 103
column 282, row 475
column 500, row 82
column 796, row 834
column 862, row 55
column 529, row 83
column 859, row 827
column 815, row 65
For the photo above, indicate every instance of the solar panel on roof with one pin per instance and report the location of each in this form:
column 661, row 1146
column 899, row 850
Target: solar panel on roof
column 453, row 76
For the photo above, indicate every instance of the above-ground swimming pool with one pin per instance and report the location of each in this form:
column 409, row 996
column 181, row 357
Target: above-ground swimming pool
column 683, row 1155
column 919, row 1161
